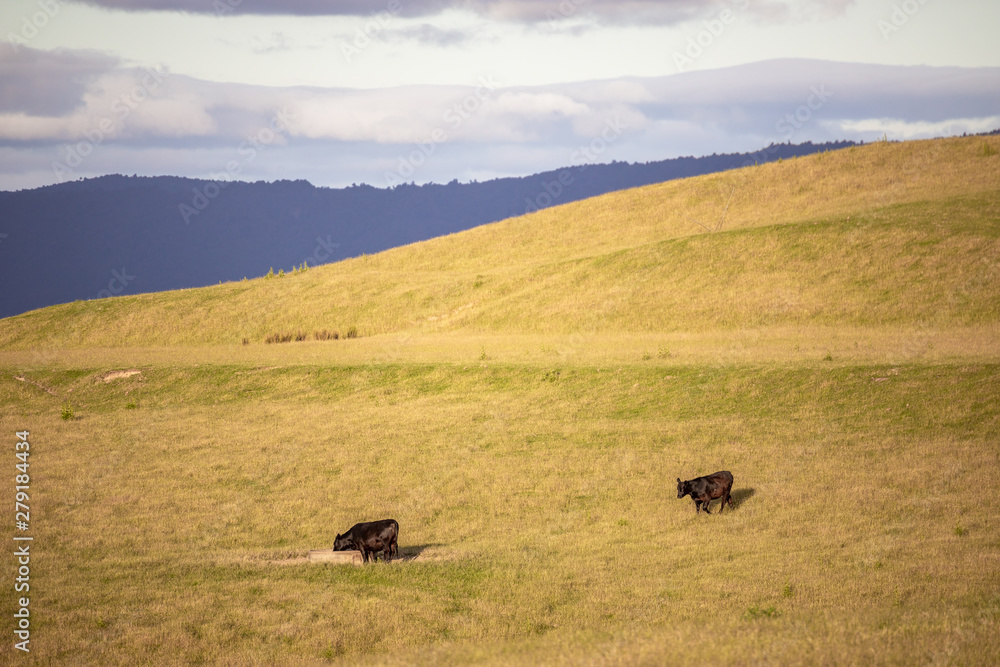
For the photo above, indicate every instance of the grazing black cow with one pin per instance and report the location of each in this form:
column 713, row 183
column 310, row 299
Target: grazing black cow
column 705, row 489
column 370, row 538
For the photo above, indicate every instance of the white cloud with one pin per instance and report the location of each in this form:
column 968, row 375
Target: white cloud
column 895, row 128
column 532, row 105
column 193, row 125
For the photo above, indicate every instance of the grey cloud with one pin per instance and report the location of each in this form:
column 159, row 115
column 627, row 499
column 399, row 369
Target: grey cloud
column 772, row 88
column 286, row 7
column 200, row 125
column 44, row 83
column 628, row 12
column 186, row 112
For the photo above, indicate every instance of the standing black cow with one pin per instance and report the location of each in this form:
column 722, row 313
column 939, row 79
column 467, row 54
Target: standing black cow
column 706, row 489
column 370, row 538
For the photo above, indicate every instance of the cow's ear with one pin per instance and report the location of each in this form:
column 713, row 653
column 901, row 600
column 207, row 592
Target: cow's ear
column 338, row 536
column 678, row 480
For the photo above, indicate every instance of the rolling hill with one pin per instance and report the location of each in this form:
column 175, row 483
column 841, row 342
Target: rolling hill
column 522, row 398
column 117, row 235
column 876, row 236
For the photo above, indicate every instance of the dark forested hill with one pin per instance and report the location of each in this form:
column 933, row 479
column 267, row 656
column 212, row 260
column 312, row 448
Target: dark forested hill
column 116, row 234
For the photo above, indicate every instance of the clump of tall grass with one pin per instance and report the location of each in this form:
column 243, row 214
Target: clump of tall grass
column 279, row 338
column 299, row 336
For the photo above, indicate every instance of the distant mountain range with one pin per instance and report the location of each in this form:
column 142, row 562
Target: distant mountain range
column 116, row 234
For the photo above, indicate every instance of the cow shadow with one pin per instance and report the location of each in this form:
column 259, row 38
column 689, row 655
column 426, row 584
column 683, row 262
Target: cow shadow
column 413, row 551
column 740, row 496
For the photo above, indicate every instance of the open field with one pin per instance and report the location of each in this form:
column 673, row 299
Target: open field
column 538, row 502
column 835, row 344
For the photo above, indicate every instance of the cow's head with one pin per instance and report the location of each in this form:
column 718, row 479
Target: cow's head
column 341, row 543
column 682, row 488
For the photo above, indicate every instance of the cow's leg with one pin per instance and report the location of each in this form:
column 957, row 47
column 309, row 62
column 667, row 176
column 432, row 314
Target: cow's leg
column 705, row 504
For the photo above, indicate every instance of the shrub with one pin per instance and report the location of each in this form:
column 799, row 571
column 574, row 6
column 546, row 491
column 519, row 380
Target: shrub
column 67, row 411
column 352, row 333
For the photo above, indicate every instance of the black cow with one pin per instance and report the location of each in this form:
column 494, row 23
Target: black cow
column 370, row 538
column 704, row 490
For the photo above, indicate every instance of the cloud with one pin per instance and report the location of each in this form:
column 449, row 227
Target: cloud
column 902, row 129
column 192, row 127
column 286, row 7
column 275, row 42
column 626, row 12
column 44, row 83
column 427, row 33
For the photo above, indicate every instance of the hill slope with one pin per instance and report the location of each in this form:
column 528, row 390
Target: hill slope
column 521, row 400
column 163, row 233
column 873, row 236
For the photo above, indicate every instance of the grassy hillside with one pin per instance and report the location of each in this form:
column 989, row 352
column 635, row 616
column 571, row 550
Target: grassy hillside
column 878, row 235
column 521, row 398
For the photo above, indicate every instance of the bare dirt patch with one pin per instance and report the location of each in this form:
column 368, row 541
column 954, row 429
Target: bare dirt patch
column 111, row 376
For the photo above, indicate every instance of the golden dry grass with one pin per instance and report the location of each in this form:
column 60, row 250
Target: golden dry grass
column 868, row 236
column 835, row 345
column 540, row 501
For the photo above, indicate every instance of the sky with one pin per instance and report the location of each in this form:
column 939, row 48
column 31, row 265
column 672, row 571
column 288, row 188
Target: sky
column 390, row 91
